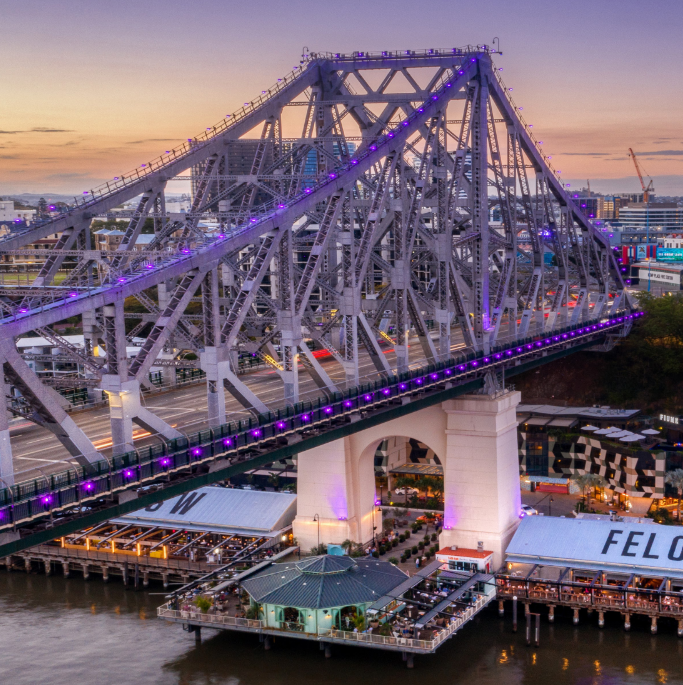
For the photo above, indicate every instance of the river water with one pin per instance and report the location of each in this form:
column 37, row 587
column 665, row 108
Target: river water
column 60, row 631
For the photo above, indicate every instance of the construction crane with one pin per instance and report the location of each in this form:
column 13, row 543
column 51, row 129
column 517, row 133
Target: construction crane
column 646, row 190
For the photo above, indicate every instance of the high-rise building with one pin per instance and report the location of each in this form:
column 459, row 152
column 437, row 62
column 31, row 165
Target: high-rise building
column 661, row 216
column 591, row 206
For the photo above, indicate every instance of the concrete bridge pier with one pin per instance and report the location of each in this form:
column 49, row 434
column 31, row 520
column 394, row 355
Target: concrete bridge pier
column 551, row 614
column 680, row 627
column 105, row 574
column 575, row 620
column 125, row 409
column 474, row 436
column 481, row 473
column 653, row 625
column 86, row 571
column 48, row 567
column 65, row 568
column 27, row 565
column 627, row 622
column 601, row 619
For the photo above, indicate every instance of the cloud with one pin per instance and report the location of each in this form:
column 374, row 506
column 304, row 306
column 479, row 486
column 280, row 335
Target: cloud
column 42, row 129
column 152, row 140
column 662, row 152
column 38, row 129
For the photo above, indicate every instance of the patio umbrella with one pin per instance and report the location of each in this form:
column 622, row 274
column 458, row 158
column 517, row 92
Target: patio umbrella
column 632, row 438
column 619, row 434
column 604, row 431
column 589, row 428
column 650, row 431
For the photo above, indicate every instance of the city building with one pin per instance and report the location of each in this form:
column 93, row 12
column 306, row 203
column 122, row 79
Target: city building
column 591, row 206
column 320, row 593
column 8, row 212
column 672, row 241
column 614, row 564
column 182, row 538
column 556, row 443
column 110, row 239
column 661, row 216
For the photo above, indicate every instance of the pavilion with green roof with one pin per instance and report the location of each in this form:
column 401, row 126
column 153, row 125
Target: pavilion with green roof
column 319, row 593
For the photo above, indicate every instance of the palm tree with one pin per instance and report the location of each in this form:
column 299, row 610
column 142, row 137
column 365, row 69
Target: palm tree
column 438, row 487
column 347, row 546
column 405, row 482
column 675, row 480
column 588, row 481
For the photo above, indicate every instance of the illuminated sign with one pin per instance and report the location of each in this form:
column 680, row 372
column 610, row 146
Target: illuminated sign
column 661, row 276
column 669, row 254
column 670, row 419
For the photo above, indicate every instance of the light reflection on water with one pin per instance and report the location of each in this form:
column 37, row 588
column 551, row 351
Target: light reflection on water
column 73, row 632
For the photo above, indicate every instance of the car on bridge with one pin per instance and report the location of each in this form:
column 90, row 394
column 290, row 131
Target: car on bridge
column 528, row 510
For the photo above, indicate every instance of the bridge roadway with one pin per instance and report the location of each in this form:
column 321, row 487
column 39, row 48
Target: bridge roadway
column 38, row 451
column 46, row 509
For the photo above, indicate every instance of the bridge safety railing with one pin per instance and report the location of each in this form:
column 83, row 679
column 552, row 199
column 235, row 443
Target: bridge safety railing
column 50, row 495
column 402, row 54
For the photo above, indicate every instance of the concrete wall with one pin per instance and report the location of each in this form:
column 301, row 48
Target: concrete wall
column 475, row 439
column 481, row 473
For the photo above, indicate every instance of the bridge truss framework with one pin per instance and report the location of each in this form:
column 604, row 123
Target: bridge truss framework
column 373, row 221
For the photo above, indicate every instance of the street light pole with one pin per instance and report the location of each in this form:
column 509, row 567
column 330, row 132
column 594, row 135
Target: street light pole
column 317, row 518
column 550, row 506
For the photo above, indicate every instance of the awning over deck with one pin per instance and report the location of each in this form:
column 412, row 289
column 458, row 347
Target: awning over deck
column 454, row 597
column 225, row 511
column 401, row 589
column 418, row 470
column 610, row 546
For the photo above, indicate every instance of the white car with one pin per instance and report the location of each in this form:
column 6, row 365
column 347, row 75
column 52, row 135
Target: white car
column 406, row 491
column 528, row 511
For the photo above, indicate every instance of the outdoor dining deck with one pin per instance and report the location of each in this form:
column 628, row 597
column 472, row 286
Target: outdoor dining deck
column 652, row 597
column 395, row 642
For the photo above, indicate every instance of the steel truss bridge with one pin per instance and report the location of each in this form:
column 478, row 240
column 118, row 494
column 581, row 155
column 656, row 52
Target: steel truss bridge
column 369, row 221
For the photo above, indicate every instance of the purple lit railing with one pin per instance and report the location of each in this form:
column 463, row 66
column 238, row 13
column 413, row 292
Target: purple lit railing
column 26, row 501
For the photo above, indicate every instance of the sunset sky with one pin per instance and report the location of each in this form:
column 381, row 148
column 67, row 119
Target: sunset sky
column 90, row 89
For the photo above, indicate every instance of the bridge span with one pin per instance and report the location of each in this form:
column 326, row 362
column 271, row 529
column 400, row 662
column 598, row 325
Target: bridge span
column 389, row 195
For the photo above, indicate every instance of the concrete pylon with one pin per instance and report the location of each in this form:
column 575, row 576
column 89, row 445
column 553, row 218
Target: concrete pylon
column 209, row 359
column 6, row 460
column 335, row 495
column 125, row 409
column 475, row 438
column 215, row 363
column 481, row 473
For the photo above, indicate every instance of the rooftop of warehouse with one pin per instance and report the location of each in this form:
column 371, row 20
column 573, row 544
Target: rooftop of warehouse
column 220, row 510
